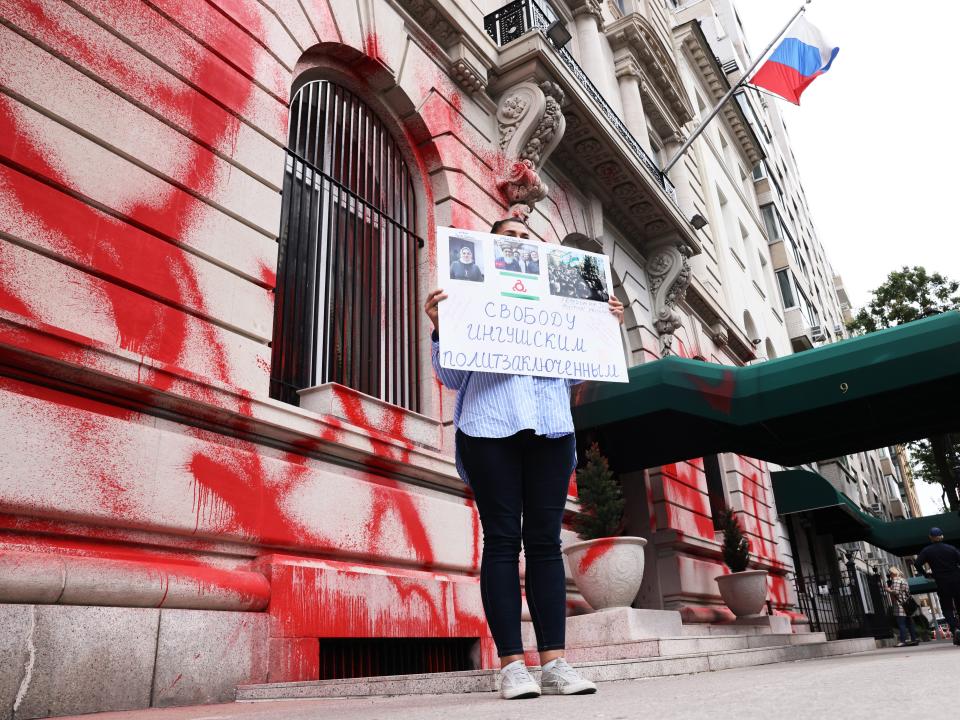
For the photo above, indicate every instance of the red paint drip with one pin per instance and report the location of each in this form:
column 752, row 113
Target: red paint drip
column 720, row 396
column 389, row 497
column 594, row 552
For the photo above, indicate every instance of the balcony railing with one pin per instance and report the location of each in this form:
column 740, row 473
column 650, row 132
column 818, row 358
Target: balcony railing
column 523, row 16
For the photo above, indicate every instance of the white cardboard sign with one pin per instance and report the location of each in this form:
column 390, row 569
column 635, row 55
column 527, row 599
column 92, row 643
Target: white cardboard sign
column 526, row 308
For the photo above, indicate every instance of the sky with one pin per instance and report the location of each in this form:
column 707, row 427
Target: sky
column 876, row 139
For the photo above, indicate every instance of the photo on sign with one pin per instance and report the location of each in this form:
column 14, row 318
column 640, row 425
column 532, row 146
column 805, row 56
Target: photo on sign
column 514, row 256
column 467, row 260
column 576, row 275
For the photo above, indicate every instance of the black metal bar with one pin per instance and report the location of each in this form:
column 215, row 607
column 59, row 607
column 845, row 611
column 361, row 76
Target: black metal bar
column 346, row 297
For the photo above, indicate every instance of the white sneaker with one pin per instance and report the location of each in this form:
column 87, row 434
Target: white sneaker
column 561, row 679
column 516, row 683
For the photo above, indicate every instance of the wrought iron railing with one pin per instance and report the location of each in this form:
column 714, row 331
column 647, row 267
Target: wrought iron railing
column 845, row 605
column 522, row 16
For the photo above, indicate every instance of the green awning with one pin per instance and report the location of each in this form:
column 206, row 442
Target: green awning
column 802, row 491
column 908, row 537
column 887, row 387
column 920, row 584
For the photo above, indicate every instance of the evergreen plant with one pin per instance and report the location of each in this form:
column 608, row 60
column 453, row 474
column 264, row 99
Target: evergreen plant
column 601, row 499
column 736, row 547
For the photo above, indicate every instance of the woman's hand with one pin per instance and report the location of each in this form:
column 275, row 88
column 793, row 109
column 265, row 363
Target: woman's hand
column 431, row 309
column 616, row 307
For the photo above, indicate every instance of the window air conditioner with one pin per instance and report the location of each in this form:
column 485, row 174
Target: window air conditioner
column 816, row 332
column 876, row 508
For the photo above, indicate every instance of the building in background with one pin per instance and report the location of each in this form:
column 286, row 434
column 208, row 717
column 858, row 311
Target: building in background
column 816, row 309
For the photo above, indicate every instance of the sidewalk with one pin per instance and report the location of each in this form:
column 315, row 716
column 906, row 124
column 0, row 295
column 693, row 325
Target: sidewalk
column 897, row 683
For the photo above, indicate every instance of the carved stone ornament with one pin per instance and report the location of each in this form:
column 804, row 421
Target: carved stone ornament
column 467, row 76
column 591, row 8
column 669, row 275
column 530, row 124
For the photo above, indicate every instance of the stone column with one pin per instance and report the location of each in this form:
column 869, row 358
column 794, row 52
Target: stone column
column 589, row 19
column 679, row 175
column 628, row 76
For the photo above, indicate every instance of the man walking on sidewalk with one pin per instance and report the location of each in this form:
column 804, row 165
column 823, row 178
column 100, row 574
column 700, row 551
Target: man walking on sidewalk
column 944, row 562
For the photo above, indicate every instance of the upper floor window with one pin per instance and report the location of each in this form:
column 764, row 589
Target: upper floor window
column 346, row 279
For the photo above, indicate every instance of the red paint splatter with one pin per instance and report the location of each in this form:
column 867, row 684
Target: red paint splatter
column 389, row 497
column 596, row 551
column 232, row 496
column 684, row 487
column 719, row 396
column 143, row 327
column 373, row 46
column 475, row 535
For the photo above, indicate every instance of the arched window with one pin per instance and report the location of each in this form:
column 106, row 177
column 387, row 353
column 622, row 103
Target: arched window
column 346, row 277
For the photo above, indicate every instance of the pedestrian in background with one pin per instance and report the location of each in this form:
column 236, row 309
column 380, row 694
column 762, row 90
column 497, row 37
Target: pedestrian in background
column 903, row 606
column 944, row 561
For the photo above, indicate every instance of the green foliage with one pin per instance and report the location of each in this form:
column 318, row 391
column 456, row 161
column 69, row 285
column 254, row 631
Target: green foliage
column 736, row 547
column 601, row 500
column 907, row 294
column 910, row 294
column 936, row 461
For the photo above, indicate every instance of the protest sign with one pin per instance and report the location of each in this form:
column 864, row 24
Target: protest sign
column 526, row 308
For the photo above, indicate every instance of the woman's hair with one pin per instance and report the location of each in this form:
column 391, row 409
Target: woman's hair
column 896, row 572
column 495, row 228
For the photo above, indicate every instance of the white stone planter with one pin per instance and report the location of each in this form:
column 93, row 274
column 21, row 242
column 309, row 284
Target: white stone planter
column 744, row 592
column 608, row 571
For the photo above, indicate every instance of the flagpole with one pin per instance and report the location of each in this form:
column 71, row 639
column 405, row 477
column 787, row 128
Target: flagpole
column 743, row 79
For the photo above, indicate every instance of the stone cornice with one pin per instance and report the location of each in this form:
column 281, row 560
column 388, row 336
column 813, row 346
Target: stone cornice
column 703, row 61
column 468, row 62
column 634, row 34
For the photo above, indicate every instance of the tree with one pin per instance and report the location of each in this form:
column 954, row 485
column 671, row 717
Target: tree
column 910, row 294
column 936, row 459
column 601, row 500
column 736, row 547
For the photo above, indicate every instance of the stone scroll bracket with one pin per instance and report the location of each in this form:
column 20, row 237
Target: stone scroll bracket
column 530, row 125
column 669, row 274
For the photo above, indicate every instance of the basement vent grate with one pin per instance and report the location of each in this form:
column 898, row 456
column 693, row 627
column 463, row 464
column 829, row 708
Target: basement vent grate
column 342, row 658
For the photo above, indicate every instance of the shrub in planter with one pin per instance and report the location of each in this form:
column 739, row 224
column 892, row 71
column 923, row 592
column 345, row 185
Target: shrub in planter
column 744, row 591
column 607, row 567
column 601, row 499
column 736, row 547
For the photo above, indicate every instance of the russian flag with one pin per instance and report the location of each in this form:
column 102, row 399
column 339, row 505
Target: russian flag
column 801, row 56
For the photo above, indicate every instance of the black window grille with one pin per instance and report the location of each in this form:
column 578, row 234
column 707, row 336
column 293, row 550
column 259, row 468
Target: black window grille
column 371, row 657
column 346, row 278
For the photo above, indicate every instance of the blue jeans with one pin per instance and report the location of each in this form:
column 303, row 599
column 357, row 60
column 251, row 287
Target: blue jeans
column 904, row 622
column 520, row 485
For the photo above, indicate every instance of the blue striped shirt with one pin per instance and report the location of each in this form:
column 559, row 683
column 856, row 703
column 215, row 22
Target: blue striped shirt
column 496, row 405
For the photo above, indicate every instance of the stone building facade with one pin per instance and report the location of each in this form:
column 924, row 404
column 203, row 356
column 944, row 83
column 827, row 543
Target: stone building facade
column 815, row 308
column 225, row 454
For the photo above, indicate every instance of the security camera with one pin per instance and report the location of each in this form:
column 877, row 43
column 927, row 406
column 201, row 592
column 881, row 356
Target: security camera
column 756, row 341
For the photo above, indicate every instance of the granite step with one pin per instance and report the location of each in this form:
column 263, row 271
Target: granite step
column 598, row 671
column 688, row 645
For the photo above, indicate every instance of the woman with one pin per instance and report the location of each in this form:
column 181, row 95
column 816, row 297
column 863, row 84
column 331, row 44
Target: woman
column 900, row 592
column 515, row 447
column 463, row 268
